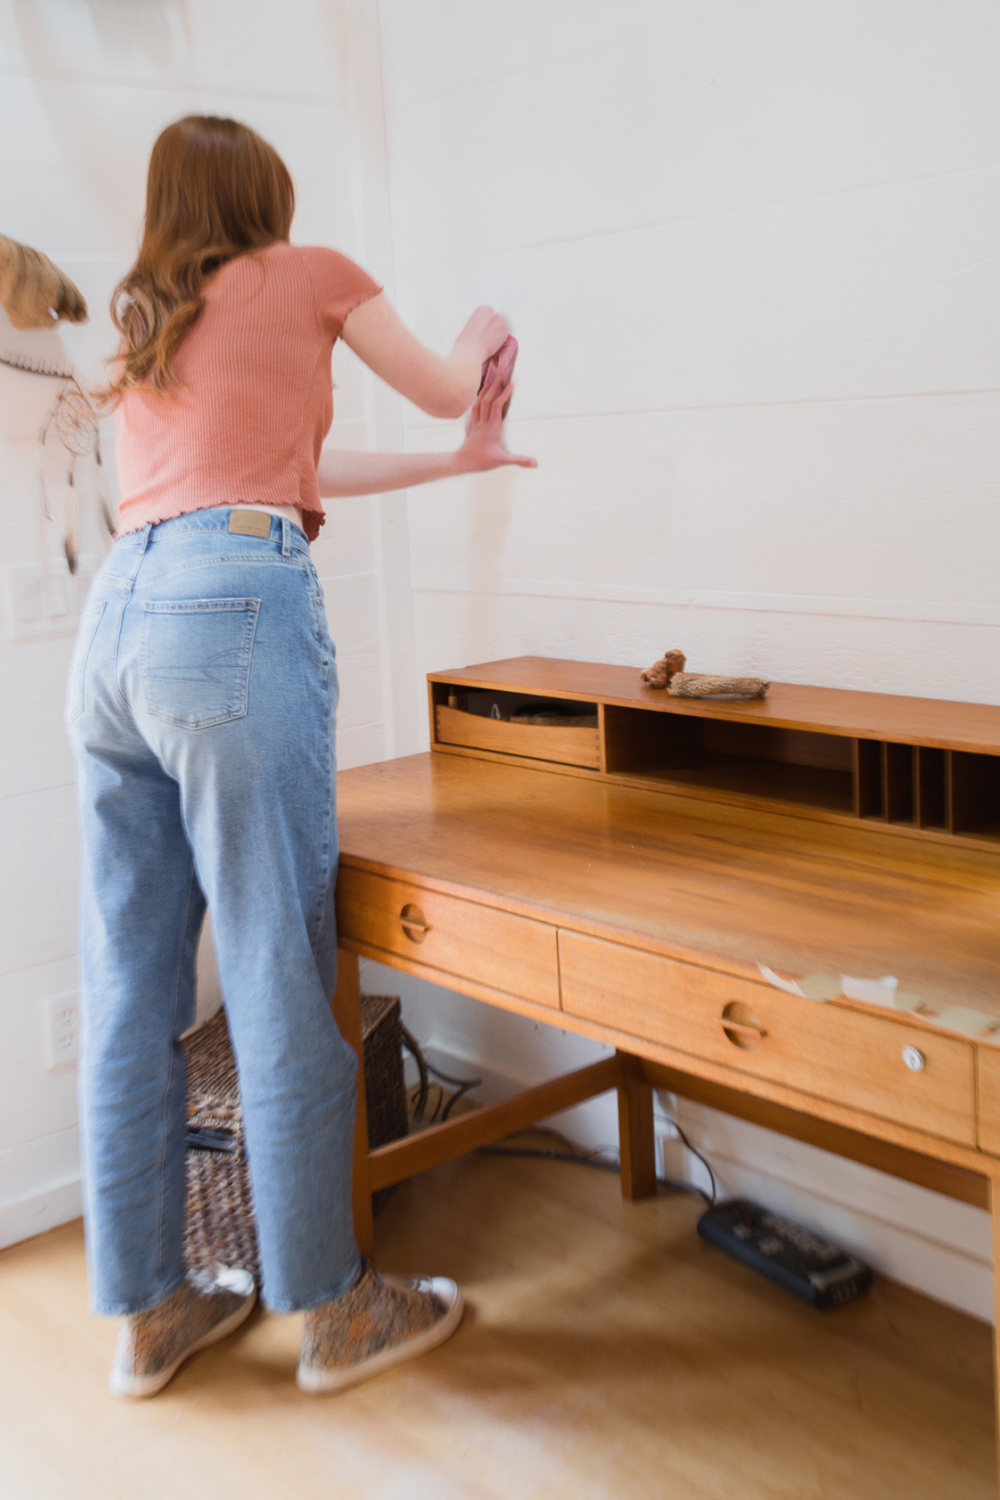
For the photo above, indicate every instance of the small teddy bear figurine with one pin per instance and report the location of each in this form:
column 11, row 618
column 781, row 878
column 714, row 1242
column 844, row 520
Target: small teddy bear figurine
column 660, row 673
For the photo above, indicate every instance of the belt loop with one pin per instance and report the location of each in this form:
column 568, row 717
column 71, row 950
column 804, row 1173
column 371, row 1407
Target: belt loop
column 286, row 537
column 140, row 551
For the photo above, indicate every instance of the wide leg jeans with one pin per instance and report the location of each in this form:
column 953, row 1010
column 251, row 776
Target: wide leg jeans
column 201, row 709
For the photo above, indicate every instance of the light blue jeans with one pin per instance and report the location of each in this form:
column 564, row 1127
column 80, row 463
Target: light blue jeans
column 201, row 709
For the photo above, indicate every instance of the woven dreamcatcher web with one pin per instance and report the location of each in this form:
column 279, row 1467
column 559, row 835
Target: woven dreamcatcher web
column 74, row 422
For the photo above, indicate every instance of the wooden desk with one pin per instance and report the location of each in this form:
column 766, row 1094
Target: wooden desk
column 638, row 915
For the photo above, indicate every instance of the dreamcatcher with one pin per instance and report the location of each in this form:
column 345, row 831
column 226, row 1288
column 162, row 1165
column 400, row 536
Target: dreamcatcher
column 36, row 294
column 73, row 421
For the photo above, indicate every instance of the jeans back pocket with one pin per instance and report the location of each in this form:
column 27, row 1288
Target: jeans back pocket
column 196, row 659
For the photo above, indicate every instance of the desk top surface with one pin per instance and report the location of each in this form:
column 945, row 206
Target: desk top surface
column 726, row 886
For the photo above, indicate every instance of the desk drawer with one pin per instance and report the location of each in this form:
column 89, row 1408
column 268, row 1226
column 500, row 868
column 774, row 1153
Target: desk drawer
column 569, row 745
column 852, row 1059
column 507, row 953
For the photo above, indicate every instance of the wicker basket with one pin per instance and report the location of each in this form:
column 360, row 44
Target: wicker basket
column 219, row 1223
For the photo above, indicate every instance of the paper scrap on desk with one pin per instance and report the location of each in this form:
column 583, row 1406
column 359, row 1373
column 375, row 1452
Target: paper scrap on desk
column 813, row 987
column 874, row 991
column 788, row 985
column 885, row 991
column 903, row 1001
column 962, row 1018
column 821, row 987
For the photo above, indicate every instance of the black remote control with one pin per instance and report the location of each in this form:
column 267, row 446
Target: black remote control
column 812, row 1268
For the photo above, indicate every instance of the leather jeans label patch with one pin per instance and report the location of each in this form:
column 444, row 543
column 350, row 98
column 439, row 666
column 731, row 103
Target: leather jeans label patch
column 250, row 522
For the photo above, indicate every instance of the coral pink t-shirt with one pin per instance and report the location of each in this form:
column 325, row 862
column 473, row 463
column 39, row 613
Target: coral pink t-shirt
column 255, row 396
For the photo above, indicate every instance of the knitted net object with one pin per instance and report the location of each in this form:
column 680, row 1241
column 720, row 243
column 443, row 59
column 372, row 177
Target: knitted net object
column 697, row 685
column 661, row 672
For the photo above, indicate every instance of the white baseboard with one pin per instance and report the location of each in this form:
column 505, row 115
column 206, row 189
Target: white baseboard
column 58, row 1203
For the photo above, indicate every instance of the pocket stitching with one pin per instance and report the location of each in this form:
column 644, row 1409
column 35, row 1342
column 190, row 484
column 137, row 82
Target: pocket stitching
column 204, row 606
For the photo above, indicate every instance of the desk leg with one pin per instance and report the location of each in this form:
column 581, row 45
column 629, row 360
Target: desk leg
column 636, row 1141
column 995, row 1215
column 346, row 1006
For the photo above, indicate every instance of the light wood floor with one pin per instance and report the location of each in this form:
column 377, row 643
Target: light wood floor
column 607, row 1353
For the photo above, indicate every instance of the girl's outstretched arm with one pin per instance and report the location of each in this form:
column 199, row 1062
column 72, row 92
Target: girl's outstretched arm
column 441, row 385
column 342, row 473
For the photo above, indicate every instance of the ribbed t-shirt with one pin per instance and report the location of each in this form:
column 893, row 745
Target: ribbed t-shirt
column 255, row 397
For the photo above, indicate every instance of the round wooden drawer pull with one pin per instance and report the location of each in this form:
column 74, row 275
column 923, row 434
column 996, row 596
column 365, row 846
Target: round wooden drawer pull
column 411, row 919
column 741, row 1026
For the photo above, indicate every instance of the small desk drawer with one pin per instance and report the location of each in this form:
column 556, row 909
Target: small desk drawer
column 852, row 1059
column 568, row 745
column 490, row 947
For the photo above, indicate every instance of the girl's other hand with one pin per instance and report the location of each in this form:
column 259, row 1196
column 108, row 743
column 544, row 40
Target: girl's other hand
column 485, row 332
column 483, row 447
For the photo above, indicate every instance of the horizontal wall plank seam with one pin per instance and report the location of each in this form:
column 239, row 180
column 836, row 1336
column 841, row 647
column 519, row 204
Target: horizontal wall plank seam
column 913, row 611
column 56, row 958
column 860, row 399
column 169, row 85
column 482, row 81
column 737, row 211
column 38, row 791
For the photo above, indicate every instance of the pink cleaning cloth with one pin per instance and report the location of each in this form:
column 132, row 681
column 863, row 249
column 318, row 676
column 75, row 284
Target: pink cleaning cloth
column 501, row 363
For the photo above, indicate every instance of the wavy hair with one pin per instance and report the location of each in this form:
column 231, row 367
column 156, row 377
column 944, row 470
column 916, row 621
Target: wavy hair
column 215, row 191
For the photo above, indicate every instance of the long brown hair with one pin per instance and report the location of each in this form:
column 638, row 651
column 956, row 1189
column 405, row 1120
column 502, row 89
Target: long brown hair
column 215, row 190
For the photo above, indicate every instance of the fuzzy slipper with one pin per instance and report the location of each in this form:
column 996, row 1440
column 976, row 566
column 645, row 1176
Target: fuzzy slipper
column 382, row 1321
column 153, row 1345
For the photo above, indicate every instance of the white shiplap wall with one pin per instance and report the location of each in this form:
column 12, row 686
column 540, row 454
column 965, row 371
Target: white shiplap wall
column 751, row 254
column 85, row 87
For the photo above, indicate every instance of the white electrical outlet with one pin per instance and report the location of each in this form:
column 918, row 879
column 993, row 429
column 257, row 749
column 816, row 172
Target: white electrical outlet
column 62, row 1030
column 669, row 1150
column 44, row 602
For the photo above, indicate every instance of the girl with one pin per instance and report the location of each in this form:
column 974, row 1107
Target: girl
column 201, row 709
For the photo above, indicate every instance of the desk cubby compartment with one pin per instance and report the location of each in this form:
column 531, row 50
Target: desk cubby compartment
column 906, row 784
column 499, row 723
column 974, row 794
column 713, row 755
column 931, row 787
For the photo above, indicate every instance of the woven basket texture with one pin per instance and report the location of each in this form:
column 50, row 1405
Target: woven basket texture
column 219, row 1216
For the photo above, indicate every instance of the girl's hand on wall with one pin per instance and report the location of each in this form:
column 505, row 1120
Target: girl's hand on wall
column 484, row 333
column 483, row 447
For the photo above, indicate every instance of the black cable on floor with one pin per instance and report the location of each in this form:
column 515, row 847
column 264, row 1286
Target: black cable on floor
column 601, row 1160
column 572, row 1153
column 414, row 1048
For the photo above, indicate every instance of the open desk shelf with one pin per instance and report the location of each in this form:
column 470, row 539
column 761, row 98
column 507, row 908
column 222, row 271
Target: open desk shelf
column 912, row 764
